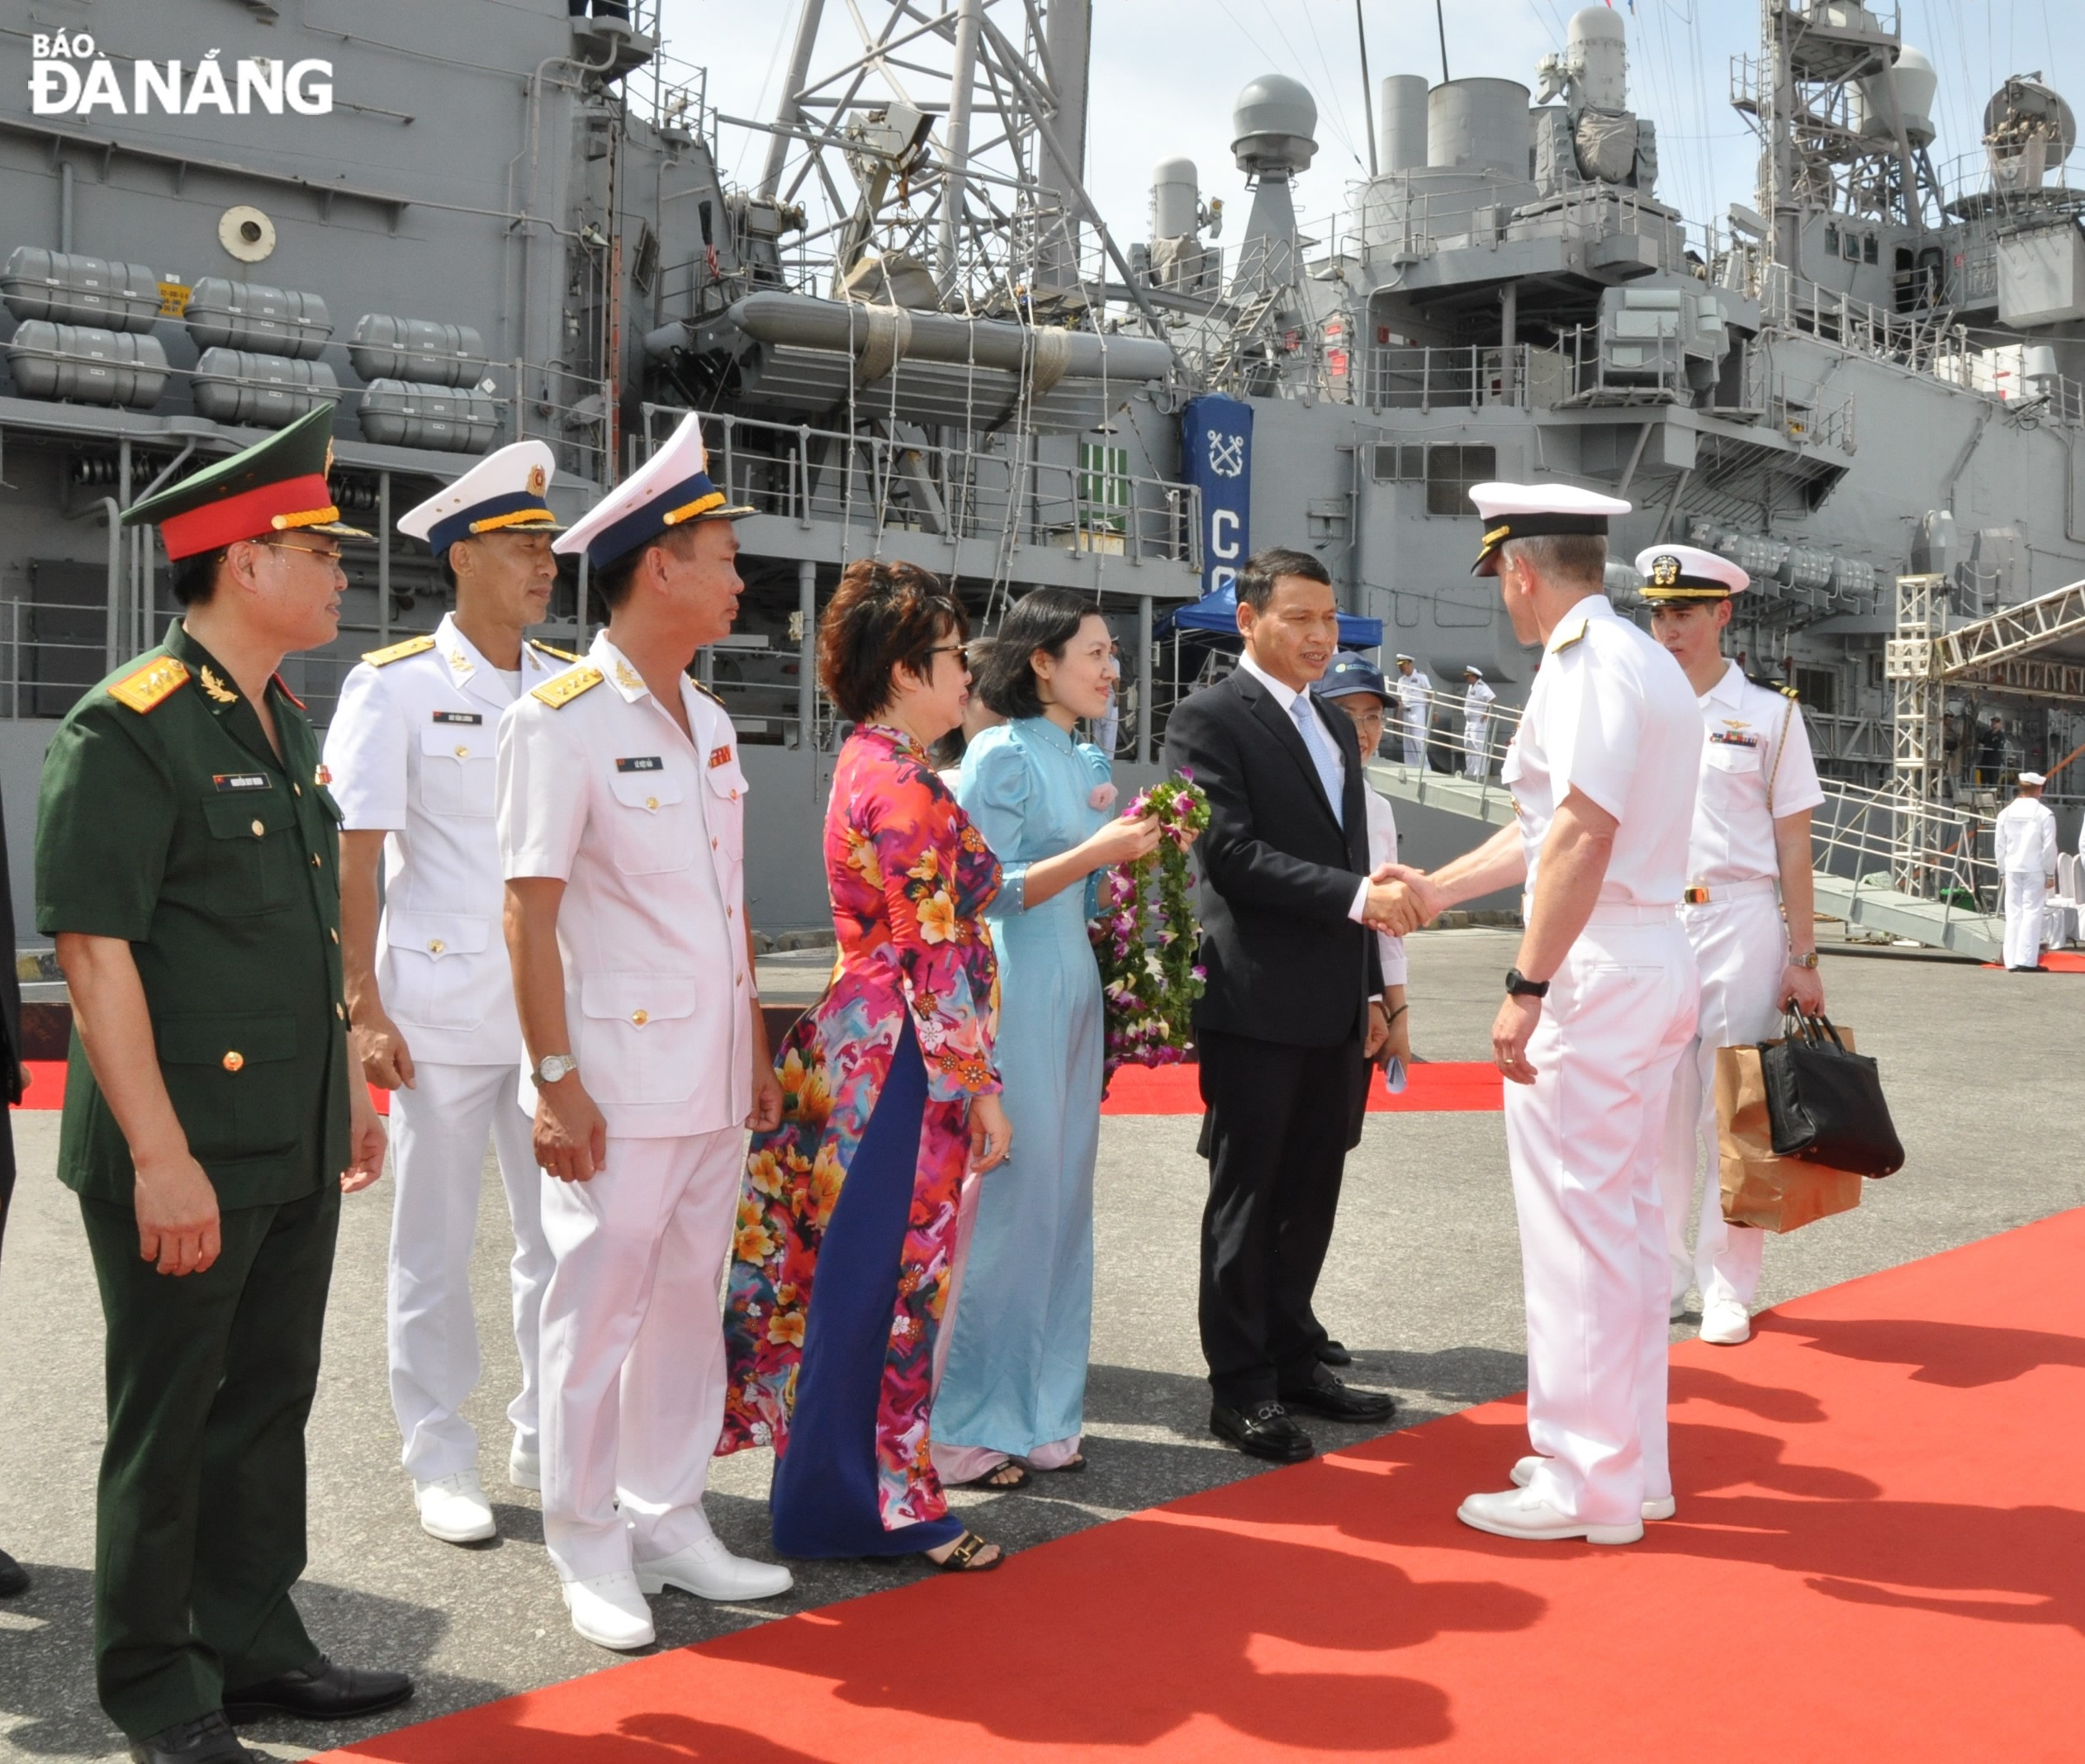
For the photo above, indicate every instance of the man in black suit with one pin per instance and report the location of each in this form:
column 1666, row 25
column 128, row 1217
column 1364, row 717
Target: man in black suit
column 1292, row 1011
column 12, row 1580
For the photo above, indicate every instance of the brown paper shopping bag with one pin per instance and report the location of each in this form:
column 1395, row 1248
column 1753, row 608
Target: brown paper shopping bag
column 1776, row 1194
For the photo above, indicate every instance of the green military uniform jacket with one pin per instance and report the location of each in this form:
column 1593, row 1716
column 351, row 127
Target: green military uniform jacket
column 166, row 819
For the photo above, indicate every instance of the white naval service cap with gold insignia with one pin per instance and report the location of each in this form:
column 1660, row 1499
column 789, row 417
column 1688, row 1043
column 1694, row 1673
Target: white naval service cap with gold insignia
column 505, row 492
column 672, row 489
column 1530, row 511
column 1687, row 572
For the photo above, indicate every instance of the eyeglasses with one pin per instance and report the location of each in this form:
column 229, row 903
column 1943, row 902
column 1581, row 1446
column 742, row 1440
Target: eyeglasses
column 330, row 555
column 961, row 652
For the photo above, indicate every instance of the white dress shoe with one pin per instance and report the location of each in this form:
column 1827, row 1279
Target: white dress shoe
column 1726, row 1323
column 610, row 1612
column 454, row 1509
column 1514, row 1513
column 1523, row 1473
column 525, row 1467
column 709, row 1571
column 1678, row 1309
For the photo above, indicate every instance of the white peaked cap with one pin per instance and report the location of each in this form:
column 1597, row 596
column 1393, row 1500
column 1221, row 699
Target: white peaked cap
column 506, row 490
column 672, row 487
column 1528, row 511
column 1687, row 572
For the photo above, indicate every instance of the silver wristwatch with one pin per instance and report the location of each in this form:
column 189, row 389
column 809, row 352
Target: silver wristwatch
column 555, row 1066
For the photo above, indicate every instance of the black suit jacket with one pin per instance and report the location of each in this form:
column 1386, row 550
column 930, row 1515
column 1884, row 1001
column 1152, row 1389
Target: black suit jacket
column 1278, row 871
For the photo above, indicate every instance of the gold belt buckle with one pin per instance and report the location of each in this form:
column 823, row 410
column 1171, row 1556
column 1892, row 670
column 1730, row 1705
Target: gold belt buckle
column 1695, row 897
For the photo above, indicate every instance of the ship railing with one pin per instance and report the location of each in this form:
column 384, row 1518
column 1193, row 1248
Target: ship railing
column 1880, row 839
column 1425, row 378
column 870, row 484
column 2011, row 188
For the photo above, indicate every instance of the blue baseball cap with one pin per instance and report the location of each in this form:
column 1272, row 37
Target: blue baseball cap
column 1350, row 675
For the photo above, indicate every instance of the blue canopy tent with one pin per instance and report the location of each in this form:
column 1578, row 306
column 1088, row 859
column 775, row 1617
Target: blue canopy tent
column 1217, row 614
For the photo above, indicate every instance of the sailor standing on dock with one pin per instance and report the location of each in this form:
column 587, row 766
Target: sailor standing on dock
column 1749, row 910
column 1476, row 724
column 429, row 990
column 1597, row 1013
column 2023, row 844
column 1415, row 692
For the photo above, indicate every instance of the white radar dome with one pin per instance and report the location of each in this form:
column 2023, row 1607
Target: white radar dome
column 1275, row 125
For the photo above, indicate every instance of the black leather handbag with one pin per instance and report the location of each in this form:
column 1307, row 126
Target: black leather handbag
column 1824, row 1103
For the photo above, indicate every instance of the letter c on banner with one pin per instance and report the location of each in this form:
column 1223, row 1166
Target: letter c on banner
column 1223, row 534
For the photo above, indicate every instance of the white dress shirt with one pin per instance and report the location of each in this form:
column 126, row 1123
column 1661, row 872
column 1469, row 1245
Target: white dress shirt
column 1751, row 736
column 647, row 831
column 1612, row 716
column 410, row 753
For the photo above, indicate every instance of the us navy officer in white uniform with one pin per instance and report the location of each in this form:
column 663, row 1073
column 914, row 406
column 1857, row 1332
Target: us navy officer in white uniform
column 1599, row 1010
column 1749, row 910
column 1476, row 724
column 2023, row 842
column 622, row 825
column 1415, row 692
column 410, row 753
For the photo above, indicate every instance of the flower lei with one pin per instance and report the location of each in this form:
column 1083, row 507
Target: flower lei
column 1149, row 979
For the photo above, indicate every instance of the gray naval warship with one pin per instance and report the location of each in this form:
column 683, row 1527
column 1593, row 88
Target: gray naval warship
column 913, row 335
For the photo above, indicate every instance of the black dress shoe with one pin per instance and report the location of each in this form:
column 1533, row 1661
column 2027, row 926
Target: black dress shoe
column 1333, row 1353
column 12, row 1579
column 321, row 1691
column 208, row 1740
column 1262, row 1429
column 1328, row 1395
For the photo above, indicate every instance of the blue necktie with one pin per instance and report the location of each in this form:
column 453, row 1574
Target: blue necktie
column 1322, row 757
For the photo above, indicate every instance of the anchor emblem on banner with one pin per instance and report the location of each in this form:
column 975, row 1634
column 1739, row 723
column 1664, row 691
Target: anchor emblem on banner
column 1226, row 454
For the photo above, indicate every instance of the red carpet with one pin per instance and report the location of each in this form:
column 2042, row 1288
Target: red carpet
column 1438, row 1087
column 1880, row 1552
column 2055, row 961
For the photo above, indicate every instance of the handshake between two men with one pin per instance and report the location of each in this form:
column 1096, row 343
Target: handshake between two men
column 1401, row 899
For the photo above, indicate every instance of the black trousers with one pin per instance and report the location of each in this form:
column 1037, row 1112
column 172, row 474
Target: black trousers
column 199, row 1532
column 1275, row 1135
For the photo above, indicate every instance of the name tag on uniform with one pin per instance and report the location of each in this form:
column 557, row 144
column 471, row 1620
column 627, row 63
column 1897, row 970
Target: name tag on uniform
column 242, row 781
column 459, row 716
column 719, row 756
column 642, row 763
column 1731, row 738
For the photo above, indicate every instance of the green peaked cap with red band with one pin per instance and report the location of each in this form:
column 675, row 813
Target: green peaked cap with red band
column 273, row 487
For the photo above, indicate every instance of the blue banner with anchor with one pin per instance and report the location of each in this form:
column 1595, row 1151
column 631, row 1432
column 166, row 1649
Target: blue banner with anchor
column 1216, row 456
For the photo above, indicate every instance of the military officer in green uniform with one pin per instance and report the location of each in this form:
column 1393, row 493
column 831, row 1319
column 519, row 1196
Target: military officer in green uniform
column 186, row 864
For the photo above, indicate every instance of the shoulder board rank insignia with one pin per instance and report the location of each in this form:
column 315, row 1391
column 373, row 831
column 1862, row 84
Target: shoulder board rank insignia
column 1576, row 636
column 145, row 688
column 706, row 692
column 1786, row 691
column 413, row 645
column 541, row 647
column 560, row 692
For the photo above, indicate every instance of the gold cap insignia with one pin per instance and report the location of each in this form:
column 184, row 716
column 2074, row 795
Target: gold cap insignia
column 1664, row 570
column 537, row 481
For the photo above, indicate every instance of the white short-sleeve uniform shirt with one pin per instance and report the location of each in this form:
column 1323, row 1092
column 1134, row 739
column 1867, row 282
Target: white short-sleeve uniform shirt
column 599, row 787
column 1751, row 735
column 410, row 753
column 1611, row 715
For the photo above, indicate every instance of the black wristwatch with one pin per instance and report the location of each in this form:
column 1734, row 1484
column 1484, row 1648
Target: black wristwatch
column 1519, row 986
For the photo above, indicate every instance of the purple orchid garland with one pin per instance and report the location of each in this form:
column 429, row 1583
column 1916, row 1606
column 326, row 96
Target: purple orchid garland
column 1146, row 947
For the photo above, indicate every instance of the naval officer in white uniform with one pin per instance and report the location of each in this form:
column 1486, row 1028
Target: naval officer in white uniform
column 1415, row 691
column 430, row 994
column 2023, row 844
column 1749, row 910
column 1476, row 724
column 622, row 808
column 1599, row 1010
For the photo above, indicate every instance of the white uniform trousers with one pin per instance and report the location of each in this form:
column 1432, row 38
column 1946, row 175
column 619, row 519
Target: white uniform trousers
column 1476, row 742
column 1583, row 1141
column 2026, row 894
column 1415, row 743
column 1741, row 947
column 633, row 1349
column 438, row 1130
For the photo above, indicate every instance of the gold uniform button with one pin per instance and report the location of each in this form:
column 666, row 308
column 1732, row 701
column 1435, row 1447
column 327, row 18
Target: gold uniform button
column 234, row 1060
column 258, row 829
column 317, row 861
column 463, row 753
column 333, row 934
column 640, row 1018
column 651, row 802
column 435, row 945
column 340, row 1010
column 296, row 790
